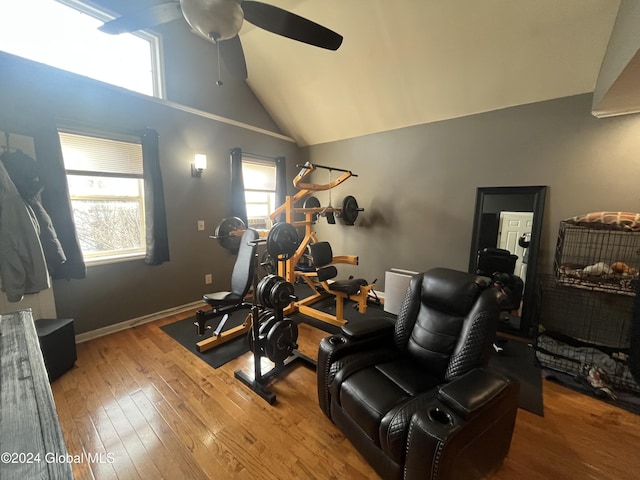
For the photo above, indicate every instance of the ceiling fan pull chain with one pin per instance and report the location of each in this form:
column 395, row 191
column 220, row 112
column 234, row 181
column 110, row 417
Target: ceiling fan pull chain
column 219, row 82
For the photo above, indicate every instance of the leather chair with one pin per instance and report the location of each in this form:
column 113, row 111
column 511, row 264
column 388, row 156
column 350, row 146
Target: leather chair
column 414, row 396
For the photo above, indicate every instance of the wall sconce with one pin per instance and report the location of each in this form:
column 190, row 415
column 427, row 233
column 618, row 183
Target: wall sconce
column 199, row 164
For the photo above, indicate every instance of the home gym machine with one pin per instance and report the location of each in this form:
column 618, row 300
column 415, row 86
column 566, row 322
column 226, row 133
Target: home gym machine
column 353, row 289
column 272, row 335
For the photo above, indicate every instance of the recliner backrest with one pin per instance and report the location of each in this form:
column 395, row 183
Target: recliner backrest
column 242, row 274
column 447, row 321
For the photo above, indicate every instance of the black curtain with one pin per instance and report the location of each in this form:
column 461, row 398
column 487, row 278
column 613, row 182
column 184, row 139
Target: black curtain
column 155, row 214
column 55, row 200
column 281, row 185
column 238, row 203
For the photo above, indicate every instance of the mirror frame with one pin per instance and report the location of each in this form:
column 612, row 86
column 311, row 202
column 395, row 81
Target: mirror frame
column 538, row 195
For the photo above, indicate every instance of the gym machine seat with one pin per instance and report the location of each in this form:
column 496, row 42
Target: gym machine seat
column 355, row 289
column 322, row 256
column 415, row 396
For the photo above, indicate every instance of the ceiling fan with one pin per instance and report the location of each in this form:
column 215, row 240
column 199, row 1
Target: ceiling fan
column 219, row 22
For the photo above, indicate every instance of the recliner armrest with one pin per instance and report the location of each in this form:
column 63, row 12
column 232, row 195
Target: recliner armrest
column 470, row 392
column 375, row 326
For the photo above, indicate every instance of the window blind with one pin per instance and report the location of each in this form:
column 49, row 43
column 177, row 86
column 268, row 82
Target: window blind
column 101, row 155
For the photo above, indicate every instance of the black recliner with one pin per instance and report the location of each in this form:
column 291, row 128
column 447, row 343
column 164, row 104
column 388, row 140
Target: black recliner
column 415, row 396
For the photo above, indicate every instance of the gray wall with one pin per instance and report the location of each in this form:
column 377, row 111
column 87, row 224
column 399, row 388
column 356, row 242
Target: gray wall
column 191, row 71
column 418, row 184
column 117, row 292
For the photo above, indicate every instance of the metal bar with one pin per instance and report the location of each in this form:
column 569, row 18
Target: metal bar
column 328, row 168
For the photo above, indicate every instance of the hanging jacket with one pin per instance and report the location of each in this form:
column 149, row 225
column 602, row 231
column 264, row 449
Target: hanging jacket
column 25, row 175
column 23, row 269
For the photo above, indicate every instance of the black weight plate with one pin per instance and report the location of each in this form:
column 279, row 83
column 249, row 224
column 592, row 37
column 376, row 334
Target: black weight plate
column 282, row 240
column 266, row 326
column 312, row 202
column 268, row 263
column 281, row 293
column 349, row 210
column 281, row 340
column 262, row 317
column 223, row 233
column 264, row 289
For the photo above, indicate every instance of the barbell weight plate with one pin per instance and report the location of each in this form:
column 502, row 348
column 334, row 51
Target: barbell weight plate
column 281, row 294
column 227, row 233
column 281, row 340
column 268, row 263
column 264, row 289
column 282, row 240
column 350, row 210
column 312, row 202
column 263, row 318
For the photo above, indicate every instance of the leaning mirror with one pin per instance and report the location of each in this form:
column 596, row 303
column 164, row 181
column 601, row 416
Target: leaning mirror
column 508, row 222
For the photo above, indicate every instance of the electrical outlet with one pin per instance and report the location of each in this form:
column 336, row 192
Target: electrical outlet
column 208, row 278
column 201, row 225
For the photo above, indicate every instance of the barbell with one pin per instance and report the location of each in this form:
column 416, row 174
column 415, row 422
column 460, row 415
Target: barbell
column 348, row 212
column 282, row 237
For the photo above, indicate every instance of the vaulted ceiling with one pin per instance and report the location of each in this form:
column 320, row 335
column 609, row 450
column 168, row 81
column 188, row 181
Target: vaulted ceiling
column 409, row 62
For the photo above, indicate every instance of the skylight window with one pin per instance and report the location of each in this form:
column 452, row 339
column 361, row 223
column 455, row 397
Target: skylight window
column 64, row 34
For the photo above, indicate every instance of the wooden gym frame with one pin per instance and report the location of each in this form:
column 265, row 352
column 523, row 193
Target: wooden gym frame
column 286, row 267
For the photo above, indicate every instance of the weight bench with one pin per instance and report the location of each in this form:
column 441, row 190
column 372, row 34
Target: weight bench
column 356, row 289
column 224, row 303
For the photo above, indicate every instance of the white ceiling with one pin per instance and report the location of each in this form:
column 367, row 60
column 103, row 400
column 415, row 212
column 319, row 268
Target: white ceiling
column 409, row 62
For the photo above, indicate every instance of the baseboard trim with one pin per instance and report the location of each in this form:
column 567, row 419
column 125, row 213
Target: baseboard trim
column 101, row 332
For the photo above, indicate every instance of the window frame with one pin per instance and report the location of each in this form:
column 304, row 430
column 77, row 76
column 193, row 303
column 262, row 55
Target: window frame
column 271, row 205
column 110, row 256
column 102, row 13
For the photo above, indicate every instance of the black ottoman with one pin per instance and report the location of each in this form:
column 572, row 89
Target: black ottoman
column 58, row 345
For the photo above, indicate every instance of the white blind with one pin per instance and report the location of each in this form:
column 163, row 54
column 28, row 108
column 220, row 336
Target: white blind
column 259, row 176
column 95, row 154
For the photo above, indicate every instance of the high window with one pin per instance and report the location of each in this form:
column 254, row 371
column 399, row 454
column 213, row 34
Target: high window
column 107, row 197
column 259, row 190
column 64, row 34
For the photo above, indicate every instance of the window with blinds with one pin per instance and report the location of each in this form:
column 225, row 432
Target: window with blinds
column 259, row 191
column 107, row 197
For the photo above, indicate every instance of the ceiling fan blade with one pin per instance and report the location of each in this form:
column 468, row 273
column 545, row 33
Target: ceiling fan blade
column 233, row 57
column 290, row 25
column 149, row 17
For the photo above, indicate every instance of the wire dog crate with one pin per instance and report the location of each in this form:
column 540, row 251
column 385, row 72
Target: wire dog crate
column 597, row 257
column 580, row 327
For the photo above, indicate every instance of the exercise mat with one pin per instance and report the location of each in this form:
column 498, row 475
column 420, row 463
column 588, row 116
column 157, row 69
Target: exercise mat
column 184, row 332
column 517, row 360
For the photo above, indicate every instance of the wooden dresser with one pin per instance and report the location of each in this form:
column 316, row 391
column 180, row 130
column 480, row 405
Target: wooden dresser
column 31, row 441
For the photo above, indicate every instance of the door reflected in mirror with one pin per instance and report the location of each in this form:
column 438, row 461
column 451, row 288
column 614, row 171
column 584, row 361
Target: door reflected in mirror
column 506, row 236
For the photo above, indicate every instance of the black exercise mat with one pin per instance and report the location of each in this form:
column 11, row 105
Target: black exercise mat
column 184, row 332
column 517, row 360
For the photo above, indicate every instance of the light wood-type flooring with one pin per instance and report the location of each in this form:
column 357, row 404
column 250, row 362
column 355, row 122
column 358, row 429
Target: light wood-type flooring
column 147, row 408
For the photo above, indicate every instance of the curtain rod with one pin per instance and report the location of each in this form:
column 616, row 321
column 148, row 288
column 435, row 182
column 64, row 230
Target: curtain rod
column 256, row 155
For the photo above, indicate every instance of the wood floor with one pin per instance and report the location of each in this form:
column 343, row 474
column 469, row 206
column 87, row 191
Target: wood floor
column 144, row 407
